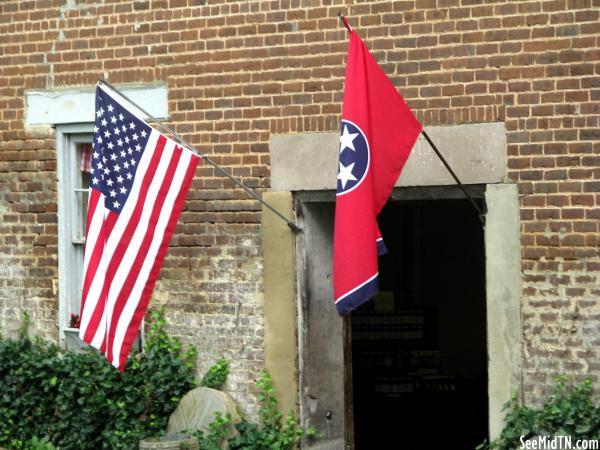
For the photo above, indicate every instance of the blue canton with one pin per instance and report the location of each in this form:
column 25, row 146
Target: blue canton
column 119, row 141
column 353, row 159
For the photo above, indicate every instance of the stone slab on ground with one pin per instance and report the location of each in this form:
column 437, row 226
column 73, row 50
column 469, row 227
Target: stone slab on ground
column 197, row 408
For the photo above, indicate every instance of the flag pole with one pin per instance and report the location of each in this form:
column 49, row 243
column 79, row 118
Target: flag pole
column 435, row 149
column 205, row 157
column 460, row 185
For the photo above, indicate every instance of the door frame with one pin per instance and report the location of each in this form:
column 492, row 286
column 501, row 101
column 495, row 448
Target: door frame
column 503, row 305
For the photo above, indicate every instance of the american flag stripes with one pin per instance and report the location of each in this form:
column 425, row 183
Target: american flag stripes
column 139, row 181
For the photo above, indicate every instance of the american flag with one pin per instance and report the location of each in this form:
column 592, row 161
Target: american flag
column 138, row 183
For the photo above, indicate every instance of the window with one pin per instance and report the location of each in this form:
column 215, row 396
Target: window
column 72, row 113
column 73, row 142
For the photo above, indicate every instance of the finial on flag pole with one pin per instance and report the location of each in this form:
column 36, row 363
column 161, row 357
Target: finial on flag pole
column 345, row 22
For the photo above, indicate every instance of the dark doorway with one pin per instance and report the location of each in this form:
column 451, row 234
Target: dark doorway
column 419, row 358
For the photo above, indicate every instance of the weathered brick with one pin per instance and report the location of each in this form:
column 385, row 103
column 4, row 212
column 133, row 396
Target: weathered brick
column 238, row 72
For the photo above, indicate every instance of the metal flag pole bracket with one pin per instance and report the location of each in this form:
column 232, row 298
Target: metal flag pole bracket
column 480, row 213
column 205, row 157
column 345, row 22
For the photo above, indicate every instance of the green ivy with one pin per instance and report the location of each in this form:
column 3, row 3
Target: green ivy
column 218, row 430
column 272, row 433
column 39, row 444
column 568, row 411
column 79, row 401
column 217, row 375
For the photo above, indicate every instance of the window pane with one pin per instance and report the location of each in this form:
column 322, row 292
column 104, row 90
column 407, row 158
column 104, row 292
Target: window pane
column 84, row 156
column 81, row 199
column 82, row 181
column 82, row 160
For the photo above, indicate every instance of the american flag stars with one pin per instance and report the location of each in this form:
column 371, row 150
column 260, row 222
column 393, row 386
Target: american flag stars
column 119, row 138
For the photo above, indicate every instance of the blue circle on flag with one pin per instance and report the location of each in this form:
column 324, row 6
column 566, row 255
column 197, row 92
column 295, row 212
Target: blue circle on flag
column 354, row 158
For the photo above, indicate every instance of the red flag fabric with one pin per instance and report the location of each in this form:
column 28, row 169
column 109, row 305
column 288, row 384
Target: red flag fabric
column 378, row 132
column 139, row 181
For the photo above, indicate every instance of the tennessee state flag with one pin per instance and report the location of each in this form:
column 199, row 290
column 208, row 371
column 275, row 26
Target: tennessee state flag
column 378, row 132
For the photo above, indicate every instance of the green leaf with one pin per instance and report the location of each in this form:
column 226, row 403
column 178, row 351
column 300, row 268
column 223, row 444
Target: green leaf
column 78, row 401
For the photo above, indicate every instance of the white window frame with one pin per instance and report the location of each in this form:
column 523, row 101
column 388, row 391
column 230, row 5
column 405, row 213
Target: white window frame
column 70, row 246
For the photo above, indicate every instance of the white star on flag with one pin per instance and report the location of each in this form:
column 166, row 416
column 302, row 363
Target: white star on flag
column 346, row 140
column 345, row 174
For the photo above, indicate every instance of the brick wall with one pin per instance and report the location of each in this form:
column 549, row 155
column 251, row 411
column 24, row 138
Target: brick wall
column 238, row 72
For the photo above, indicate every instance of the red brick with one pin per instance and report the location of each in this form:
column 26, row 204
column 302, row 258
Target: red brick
column 238, row 72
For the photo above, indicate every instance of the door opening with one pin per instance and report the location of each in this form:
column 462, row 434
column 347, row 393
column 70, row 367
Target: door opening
column 419, row 354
